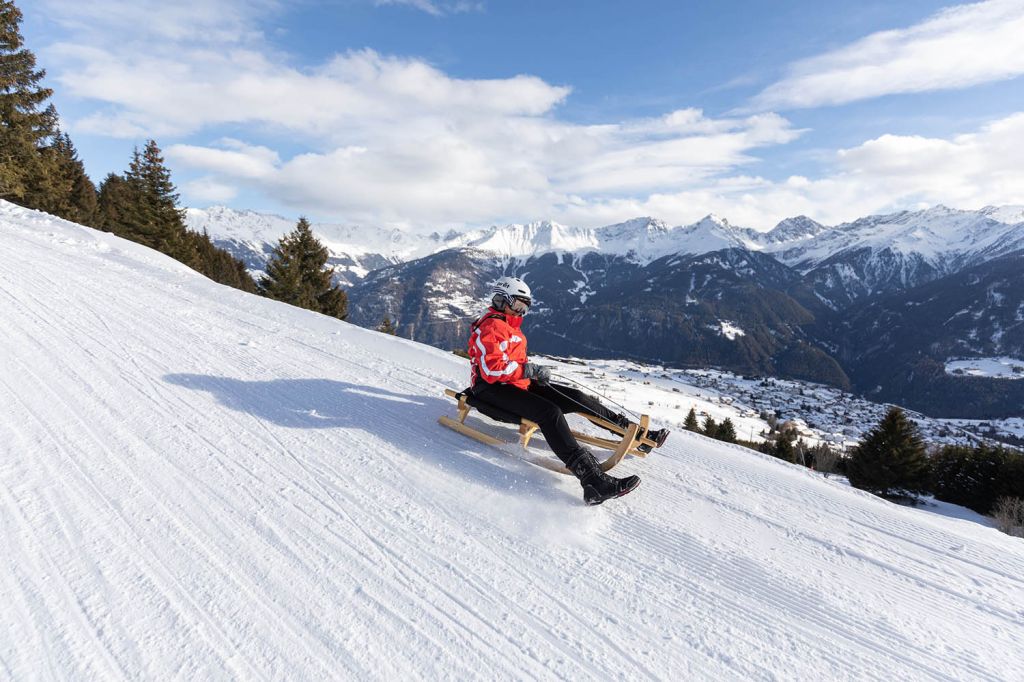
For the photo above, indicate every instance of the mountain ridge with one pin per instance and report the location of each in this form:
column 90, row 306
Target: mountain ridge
column 935, row 233
column 648, row 238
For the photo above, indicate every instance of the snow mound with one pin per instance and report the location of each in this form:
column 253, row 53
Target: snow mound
column 196, row 483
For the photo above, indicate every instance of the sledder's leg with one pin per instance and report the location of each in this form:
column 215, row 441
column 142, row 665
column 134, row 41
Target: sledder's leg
column 574, row 400
column 536, row 408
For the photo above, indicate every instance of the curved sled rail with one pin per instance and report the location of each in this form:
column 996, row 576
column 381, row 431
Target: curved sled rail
column 627, row 444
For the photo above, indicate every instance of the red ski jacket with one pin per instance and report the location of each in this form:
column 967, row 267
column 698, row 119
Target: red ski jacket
column 497, row 349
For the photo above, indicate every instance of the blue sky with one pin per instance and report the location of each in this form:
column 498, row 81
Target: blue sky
column 432, row 114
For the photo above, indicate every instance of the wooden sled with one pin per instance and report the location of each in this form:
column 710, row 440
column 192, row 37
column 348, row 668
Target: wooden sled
column 628, row 443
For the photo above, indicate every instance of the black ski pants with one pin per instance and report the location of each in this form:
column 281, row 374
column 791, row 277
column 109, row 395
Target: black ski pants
column 547, row 405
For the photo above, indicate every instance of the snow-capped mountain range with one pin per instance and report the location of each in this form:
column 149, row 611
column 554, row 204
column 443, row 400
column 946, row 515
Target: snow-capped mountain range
column 355, row 249
column 640, row 240
column 944, row 238
column 938, row 238
column 710, row 293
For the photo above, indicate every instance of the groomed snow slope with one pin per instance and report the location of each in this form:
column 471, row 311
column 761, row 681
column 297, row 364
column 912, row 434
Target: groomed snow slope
column 200, row 484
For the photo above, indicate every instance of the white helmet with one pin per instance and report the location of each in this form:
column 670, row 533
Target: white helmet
column 512, row 292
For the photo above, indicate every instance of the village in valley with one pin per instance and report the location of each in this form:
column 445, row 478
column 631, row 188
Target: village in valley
column 758, row 406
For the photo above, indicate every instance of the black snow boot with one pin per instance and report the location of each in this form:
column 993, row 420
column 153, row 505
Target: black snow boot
column 659, row 436
column 597, row 485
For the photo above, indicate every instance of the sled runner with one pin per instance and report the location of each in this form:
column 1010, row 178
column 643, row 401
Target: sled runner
column 628, row 444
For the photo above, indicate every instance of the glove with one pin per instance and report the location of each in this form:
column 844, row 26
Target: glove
column 538, row 373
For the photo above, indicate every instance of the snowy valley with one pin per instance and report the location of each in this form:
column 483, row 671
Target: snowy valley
column 199, row 483
column 819, row 413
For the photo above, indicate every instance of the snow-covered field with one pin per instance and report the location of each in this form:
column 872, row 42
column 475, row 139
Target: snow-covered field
column 994, row 368
column 196, row 483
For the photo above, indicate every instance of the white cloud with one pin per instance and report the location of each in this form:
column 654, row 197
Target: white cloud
column 435, row 7
column 971, row 169
column 183, row 91
column 433, row 170
column 183, row 21
column 211, row 190
column 390, row 139
column 234, row 159
column 679, row 149
column 888, row 173
column 956, row 48
column 396, row 140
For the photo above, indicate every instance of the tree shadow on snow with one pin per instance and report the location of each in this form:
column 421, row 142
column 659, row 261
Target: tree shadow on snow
column 407, row 422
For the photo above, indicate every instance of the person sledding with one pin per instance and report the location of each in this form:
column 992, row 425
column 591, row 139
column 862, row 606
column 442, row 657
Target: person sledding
column 503, row 376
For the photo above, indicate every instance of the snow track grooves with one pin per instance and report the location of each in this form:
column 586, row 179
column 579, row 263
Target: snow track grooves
column 121, row 528
column 200, row 484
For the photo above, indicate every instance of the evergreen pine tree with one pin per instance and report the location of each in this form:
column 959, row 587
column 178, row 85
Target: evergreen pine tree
column 710, row 427
column 968, row 476
column 158, row 222
column 84, row 201
column 726, row 431
column 142, row 206
column 1011, row 476
column 297, row 273
column 117, row 206
column 46, row 188
column 691, row 423
column 74, row 196
column 891, row 460
column 332, row 300
column 218, row 264
column 27, row 127
column 785, row 446
column 283, row 279
column 387, row 326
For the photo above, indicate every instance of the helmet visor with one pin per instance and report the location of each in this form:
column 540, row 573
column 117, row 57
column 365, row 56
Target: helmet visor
column 520, row 304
